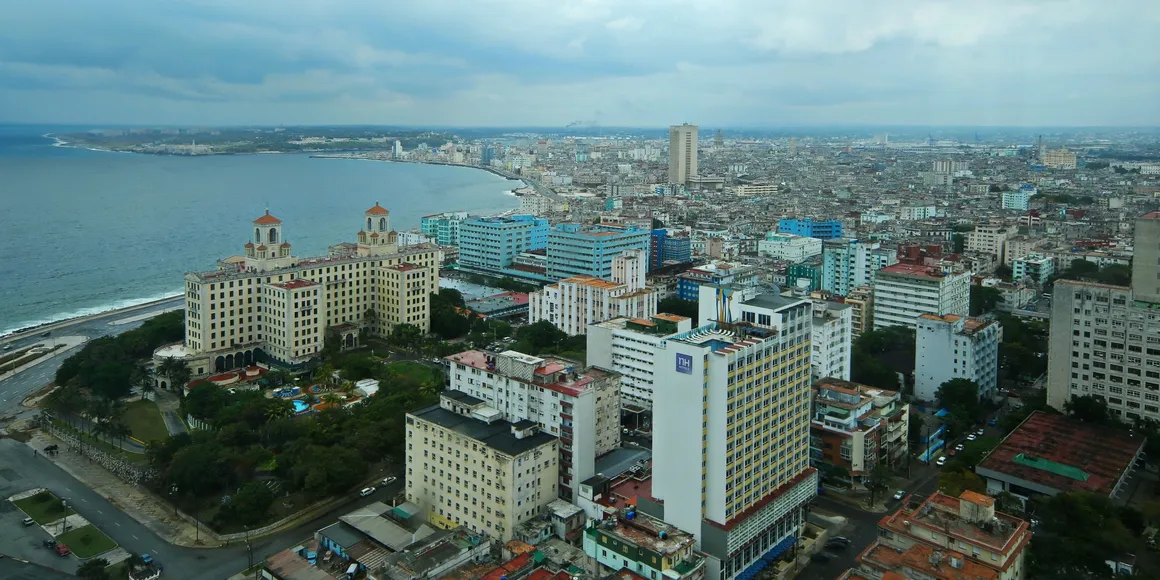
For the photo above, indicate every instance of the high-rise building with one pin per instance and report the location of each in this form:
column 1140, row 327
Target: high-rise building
column 848, row 263
column 831, row 339
column 682, row 153
column 1018, row 199
column 573, row 303
column 579, row 405
column 629, row 346
column 855, row 427
column 990, row 238
column 1105, row 340
column 690, row 281
column 822, row 229
column 677, row 248
column 443, row 228
column 741, row 481
column 903, row 292
column 467, row 466
column 270, row 306
column 578, row 250
column 491, row 244
column 487, row 156
column 956, row 347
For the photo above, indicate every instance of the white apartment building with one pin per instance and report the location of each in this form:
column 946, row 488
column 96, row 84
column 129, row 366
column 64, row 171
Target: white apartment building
column 909, row 213
column 1033, row 268
column 956, row 347
column 574, row 303
column 744, row 378
column 948, row 166
column 990, row 238
column 1017, row 200
column 789, row 247
column 468, row 467
column 270, row 306
column 536, row 204
column 756, row 189
column 903, row 292
column 831, row 340
column 682, row 153
column 848, row 264
column 581, row 406
column 629, row 346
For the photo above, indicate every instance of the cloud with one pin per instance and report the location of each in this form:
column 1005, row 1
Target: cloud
column 528, row 62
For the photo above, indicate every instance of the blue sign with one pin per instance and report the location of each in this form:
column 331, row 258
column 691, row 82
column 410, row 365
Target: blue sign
column 684, row 364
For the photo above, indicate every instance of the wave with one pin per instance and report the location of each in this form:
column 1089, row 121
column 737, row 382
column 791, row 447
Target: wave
column 109, row 307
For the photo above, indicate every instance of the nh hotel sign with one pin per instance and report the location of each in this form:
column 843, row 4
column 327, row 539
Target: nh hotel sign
column 684, row 363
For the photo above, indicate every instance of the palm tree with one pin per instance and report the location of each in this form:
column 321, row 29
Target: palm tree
column 278, row 409
column 332, row 399
column 177, row 372
column 117, row 428
column 346, row 387
column 431, row 387
column 324, row 374
column 145, row 381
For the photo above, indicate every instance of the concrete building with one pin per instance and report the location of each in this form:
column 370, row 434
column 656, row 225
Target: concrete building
column 574, row 303
column 270, row 306
column 1016, row 247
column 948, row 166
column 1033, row 268
column 646, row 546
column 1105, row 340
column 1018, row 199
column 822, row 229
column 831, row 339
column 536, row 204
column 910, row 213
column 744, row 378
column 955, row 347
column 861, row 301
column 848, row 263
column 903, row 292
column 443, row 228
column 855, row 427
column 579, row 405
column 577, row 250
column 682, row 153
column 629, row 346
column 990, row 238
column 1059, row 159
column 949, row 538
column 491, row 244
column 788, row 247
column 690, row 281
column 1049, row 454
column 467, row 466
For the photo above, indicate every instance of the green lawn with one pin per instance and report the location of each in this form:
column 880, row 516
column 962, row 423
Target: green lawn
column 87, row 541
column 144, row 421
column 417, row 371
column 103, row 444
column 43, row 507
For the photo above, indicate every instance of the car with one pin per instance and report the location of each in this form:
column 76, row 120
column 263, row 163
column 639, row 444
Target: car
column 900, row 494
column 959, row 447
column 49, row 543
column 8, row 347
column 821, row 557
column 62, row 550
column 842, row 539
column 389, row 480
column 836, row 546
column 146, row 559
column 979, row 433
column 993, row 422
column 941, row 461
column 28, row 521
column 972, row 437
column 366, row 491
column 952, row 452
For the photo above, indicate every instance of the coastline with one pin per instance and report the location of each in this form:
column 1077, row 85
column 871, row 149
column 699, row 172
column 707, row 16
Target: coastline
column 70, row 320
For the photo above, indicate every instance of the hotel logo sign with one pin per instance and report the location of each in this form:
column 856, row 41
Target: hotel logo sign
column 684, row 364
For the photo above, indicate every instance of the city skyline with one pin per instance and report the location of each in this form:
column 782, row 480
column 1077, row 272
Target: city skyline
column 522, row 64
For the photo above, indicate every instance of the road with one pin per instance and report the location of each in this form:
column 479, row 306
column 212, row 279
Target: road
column 20, row 471
column 14, row 389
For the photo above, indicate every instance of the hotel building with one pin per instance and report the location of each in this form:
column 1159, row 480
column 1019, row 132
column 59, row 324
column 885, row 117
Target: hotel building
column 268, row 305
column 576, row 250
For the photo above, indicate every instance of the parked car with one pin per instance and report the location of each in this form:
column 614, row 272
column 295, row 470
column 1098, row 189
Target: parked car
column 842, row 539
column 979, row 433
column 821, row 557
column 50, row 543
column 389, row 480
column 900, row 494
column 28, row 521
column 993, row 422
column 62, row 550
column 959, row 447
column 941, row 461
column 146, row 559
column 971, row 437
column 952, row 452
column 836, row 546
column 366, row 491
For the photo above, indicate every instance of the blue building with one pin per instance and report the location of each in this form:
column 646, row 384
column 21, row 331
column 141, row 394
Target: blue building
column 574, row 249
column 823, row 230
column 491, row 244
column 656, row 248
column 487, row 156
column 689, row 283
column 677, row 248
column 443, row 227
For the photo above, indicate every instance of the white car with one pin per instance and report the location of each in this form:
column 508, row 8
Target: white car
column 899, row 494
column 959, row 447
column 366, row 491
column 389, row 480
column 941, row 461
column 971, row 437
column 979, row 433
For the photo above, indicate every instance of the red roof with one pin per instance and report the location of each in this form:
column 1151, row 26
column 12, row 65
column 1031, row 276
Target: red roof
column 249, row 244
column 285, row 244
column 267, row 219
column 378, row 210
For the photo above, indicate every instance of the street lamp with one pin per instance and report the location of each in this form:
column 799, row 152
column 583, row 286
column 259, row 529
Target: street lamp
column 173, row 498
column 64, row 504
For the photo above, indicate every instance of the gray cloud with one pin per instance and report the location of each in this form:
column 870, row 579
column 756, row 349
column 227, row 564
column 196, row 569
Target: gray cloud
column 526, row 62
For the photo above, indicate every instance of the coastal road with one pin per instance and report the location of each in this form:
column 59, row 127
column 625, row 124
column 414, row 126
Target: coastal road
column 14, row 389
column 20, row 471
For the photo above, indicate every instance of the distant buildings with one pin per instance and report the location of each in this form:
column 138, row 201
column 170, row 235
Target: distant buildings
column 909, row 213
column 789, row 247
column 955, row 347
column 573, row 303
column 491, row 244
column 823, row 229
column 1059, row 159
column 903, row 292
column 666, row 247
column 577, row 250
column 848, row 263
column 682, row 153
column 855, row 427
column 443, row 228
column 1018, row 199
column 990, row 238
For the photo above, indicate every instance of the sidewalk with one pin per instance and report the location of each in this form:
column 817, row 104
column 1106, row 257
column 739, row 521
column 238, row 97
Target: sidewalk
column 66, row 343
column 135, row 501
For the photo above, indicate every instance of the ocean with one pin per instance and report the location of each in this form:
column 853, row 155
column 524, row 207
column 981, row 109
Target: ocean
column 86, row 231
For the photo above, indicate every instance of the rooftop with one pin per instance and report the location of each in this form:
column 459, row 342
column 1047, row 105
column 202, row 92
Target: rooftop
column 295, row 284
column 927, row 561
column 1064, row 454
column 497, row 435
column 944, row 514
column 914, row 270
column 771, row 301
column 552, row 373
column 644, row 531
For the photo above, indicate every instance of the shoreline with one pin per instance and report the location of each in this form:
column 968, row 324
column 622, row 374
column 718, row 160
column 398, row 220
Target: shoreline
column 64, row 322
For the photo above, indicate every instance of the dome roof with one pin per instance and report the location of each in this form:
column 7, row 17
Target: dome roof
column 378, row 210
column 267, row 219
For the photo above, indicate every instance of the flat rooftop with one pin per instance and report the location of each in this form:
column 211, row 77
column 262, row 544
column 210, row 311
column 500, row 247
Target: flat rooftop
column 1064, row 454
column 928, row 561
column 497, row 435
column 914, row 270
column 941, row 513
column 295, row 284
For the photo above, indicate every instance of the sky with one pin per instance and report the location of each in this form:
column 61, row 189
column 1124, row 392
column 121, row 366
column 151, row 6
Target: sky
column 635, row 63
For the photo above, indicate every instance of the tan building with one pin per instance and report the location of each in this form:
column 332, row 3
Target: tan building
column 1059, row 159
column 267, row 305
column 991, row 239
column 467, row 466
column 682, row 153
column 1019, row 247
column 861, row 301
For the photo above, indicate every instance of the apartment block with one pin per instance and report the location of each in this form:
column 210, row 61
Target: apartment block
column 1017, row 200
column 467, row 466
column 682, row 153
column 579, row 405
column 443, row 227
column 821, row 229
column 578, row 250
column 1016, row 247
column 1059, row 159
column 629, row 346
column 789, row 247
column 574, row 303
column 831, row 339
column 1033, row 268
column 646, row 546
column 955, row 347
column 990, row 238
column 491, row 244
column 848, row 263
column 744, row 378
column 909, row 213
column 903, row 292
column 690, row 281
column 861, row 301
column 855, row 427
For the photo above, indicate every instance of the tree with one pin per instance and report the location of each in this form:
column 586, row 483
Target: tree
column 984, row 299
column 94, row 569
column 955, row 481
column 324, row 374
column 1078, row 532
column 252, row 503
column 680, row 307
column 880, row 479
column 1088, row 409
column 145, row 382
column 1009, row 503
column 176, row 371
column 405, row 335
column 959, row 241
column 915, row 427
column 960, row 394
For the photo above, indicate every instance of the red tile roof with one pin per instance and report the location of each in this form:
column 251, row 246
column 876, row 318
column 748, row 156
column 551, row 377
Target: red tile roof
column 267, row 219
column 378, row 210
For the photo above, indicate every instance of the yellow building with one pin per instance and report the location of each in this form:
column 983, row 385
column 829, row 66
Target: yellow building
column 267, row 305
column 466, row 466
column 1059, row 159
column 861, row 300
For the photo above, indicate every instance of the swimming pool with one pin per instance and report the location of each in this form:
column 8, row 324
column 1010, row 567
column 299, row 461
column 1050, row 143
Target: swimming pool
column 300, row 406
